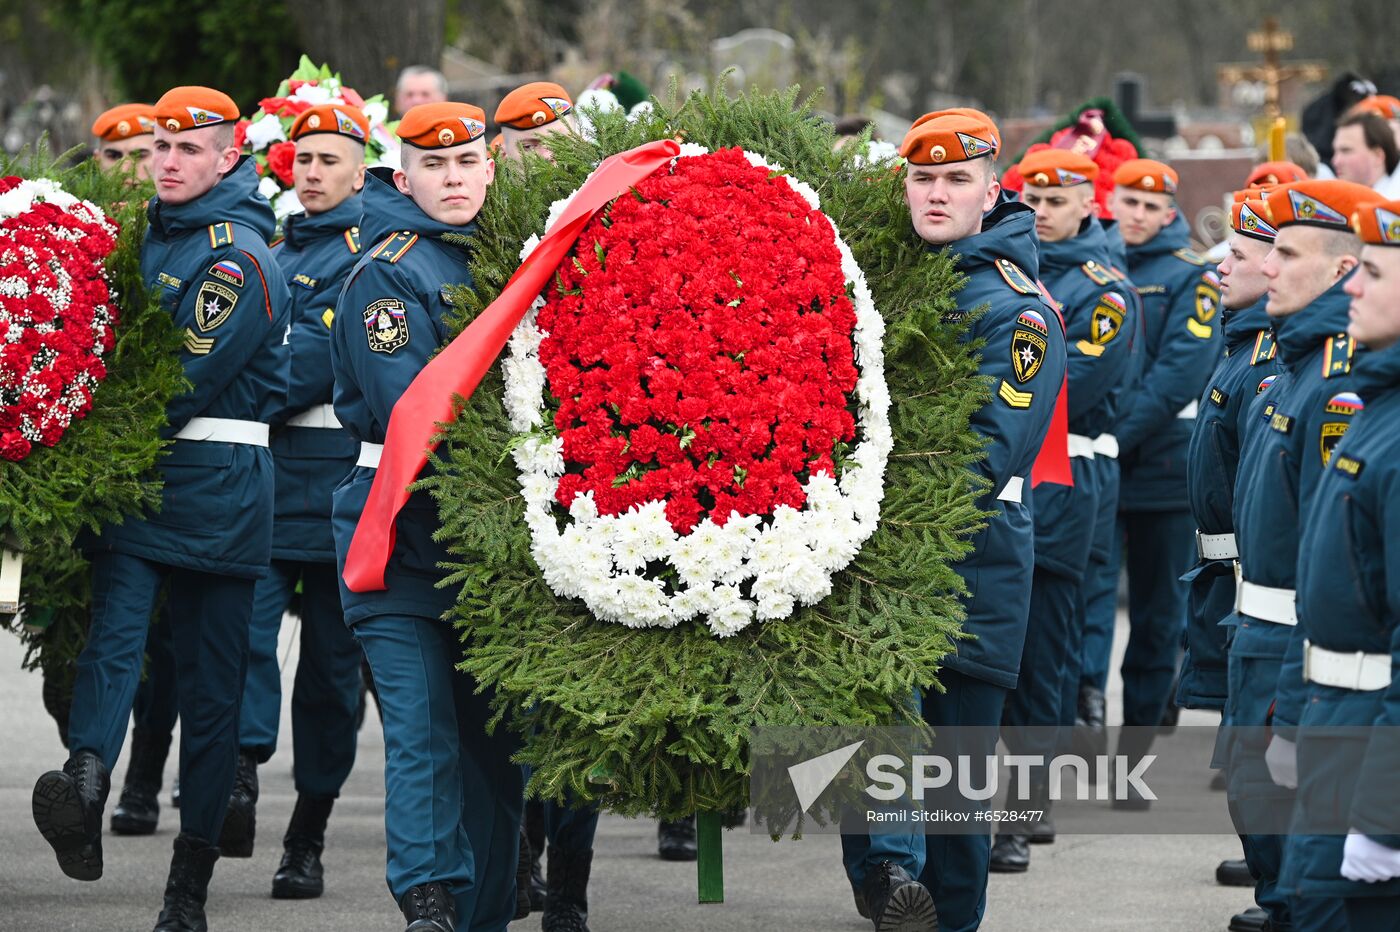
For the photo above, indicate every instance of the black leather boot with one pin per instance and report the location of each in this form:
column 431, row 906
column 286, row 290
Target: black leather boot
column 524, row 859
column 675, row 841
column 898, row 902
column 1011, row 854
column 138, row 808
column 187, row 887
column 1043, row 829
column 299, row 876
column 1234, row 873
column 429, row 907
column 67, row 806
column 240, row 822
column 566, row 904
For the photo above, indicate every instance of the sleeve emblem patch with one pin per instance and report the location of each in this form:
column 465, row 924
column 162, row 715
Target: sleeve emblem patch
column 386, row 325
column 213, row 305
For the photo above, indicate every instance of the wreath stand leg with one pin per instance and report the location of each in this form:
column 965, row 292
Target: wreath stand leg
column 709, row 861
column 11, row 562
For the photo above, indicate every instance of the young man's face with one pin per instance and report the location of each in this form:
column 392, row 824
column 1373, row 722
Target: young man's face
column 946, row 202
column 328, row 169
column 448, row 184
column 535, row 140
column 1059, row 211
column 1302, row 265
column 1242, row 280
column 1375, row 298
column 1352, row 161
column 1141, row 215
column 132, row 154
column 189, row 163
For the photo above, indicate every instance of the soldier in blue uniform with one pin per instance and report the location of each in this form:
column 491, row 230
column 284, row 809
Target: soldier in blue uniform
column 952, row 192
column 452, row 794
column 1345, row 650
column 1291, row 430
column 206, row 257
column 1098, row 315
column 1249, row 369
column 311, row 454
column 1181, row 345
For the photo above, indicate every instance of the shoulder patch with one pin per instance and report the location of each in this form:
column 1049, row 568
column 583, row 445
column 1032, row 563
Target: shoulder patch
column 386, row 325
column 1336, row 359
column 1265, row 383
column 1013, row 398
column 197, row 345
column 1191, row 256
column 1098, row 274
column 1027, row 352
column 352, row 239
column 220, row 234
column 394, row 248
column 213, row 305
column 1332, row 432
column 1207, row 302
column 1346, row 404
column 1108, row 317
column 1265, row 348
column 1018, row 280
column 228, row 271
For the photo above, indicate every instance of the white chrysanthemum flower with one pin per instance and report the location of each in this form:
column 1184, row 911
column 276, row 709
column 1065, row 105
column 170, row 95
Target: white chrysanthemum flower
column 264, row 131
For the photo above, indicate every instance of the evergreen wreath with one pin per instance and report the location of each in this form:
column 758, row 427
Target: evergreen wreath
column 656, row 720
column 102, row 468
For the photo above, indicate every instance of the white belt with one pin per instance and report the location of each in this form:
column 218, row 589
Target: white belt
column 370, row 454
column 1080, row 445
column 1262, row 602
column 1106, row 445
column 224, row 430
column 1216, row 546
column 1011, row 492
column 1359, row 671
column 315, row 416
column 1189, row 411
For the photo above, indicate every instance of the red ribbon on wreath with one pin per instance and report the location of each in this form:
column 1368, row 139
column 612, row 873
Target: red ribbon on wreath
column 457, row 370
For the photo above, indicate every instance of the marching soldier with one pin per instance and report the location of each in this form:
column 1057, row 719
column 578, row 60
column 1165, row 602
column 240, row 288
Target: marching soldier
column 1100, row 319
column 452, row 793
column 1250, row 367
column 1345, row 651
column 1291, row 431
column 124, row 135
column 529, row 115
column 1182, row 343
column 951, row 188
column 312, row 454
column 206, row 258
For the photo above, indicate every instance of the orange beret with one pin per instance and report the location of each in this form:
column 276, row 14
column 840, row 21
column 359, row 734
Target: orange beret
column 441, row 125
column 1249, row 217
column 950, row 136
column 1270, row 173
column 533, row 104
column 341, row 119
column 1146, row 175
column 1050, row 168
column 125, row 121
column 1378, row 223
column 1320, row 203
column 1382, row 105
column 192, row 107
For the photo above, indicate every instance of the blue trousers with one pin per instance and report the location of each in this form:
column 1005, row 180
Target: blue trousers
column 1099, row 603
column 453, row 797
column 157, row 707
column 863, row 849
column 326, row 692
column 209, row 632
column 1047, row 688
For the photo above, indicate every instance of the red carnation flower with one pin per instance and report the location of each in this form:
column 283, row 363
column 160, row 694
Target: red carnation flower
column 280, row 158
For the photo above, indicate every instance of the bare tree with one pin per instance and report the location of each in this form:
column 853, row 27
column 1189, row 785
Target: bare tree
column 369, row 41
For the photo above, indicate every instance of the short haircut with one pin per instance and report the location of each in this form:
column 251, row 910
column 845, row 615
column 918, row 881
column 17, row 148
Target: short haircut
column 1376, row 131
column 1337, row 242
column 224, row 134
column 852, row 125
column 413, row 71
column 1301, row 153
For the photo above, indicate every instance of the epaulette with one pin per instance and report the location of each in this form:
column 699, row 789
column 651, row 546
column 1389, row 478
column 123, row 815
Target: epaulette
column 352, row 240
column 1098, row 274
column 1336, row 358
column 393, row 248
column 1018, row 280
column 220, row 234
column 1191, row 256
column 1264, row 347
